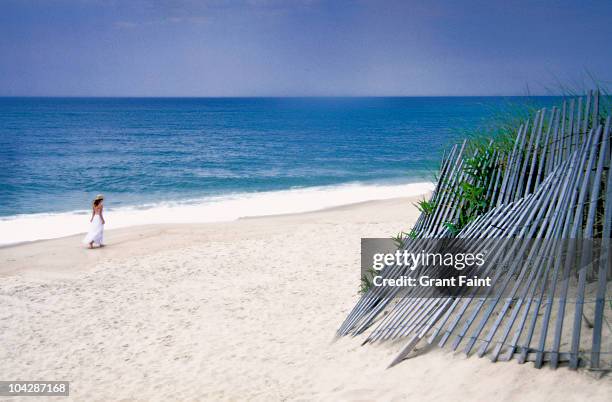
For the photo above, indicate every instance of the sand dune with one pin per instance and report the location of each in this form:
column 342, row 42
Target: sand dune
column 244, row 310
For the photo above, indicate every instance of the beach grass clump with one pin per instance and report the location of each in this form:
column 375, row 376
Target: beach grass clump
column 367, row 281
column 471, row 193
column 426, row 207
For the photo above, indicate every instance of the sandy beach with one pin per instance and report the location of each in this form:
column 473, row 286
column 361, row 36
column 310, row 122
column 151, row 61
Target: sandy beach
column 243, row 310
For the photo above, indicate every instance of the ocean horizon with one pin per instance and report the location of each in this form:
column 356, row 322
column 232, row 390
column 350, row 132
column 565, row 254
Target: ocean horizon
column 170, row 160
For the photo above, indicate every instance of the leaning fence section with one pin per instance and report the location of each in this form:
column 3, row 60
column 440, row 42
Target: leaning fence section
column 543, row 205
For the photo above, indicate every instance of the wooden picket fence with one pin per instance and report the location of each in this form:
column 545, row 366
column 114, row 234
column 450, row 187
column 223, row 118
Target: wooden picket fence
column 546, row 212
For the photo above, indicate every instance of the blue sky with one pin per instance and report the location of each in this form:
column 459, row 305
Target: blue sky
column 302, row 47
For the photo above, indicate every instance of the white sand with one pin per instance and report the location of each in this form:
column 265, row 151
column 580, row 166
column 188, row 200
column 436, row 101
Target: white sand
column 245, row 310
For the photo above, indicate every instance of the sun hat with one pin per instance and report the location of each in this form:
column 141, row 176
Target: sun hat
column 99, row 197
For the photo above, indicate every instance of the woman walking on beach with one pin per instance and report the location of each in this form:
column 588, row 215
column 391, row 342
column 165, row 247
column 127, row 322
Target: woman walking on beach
column 96, row 231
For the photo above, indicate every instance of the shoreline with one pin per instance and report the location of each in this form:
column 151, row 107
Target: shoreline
column 242, row 218
column 27, row 228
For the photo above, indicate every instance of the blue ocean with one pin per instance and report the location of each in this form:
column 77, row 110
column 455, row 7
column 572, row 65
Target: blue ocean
column 56, row 154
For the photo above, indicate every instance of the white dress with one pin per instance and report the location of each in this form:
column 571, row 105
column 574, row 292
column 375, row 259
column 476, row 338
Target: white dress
column 96, row 231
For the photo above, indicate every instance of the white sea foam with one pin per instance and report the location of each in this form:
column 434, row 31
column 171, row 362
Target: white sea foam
column 22, row 228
